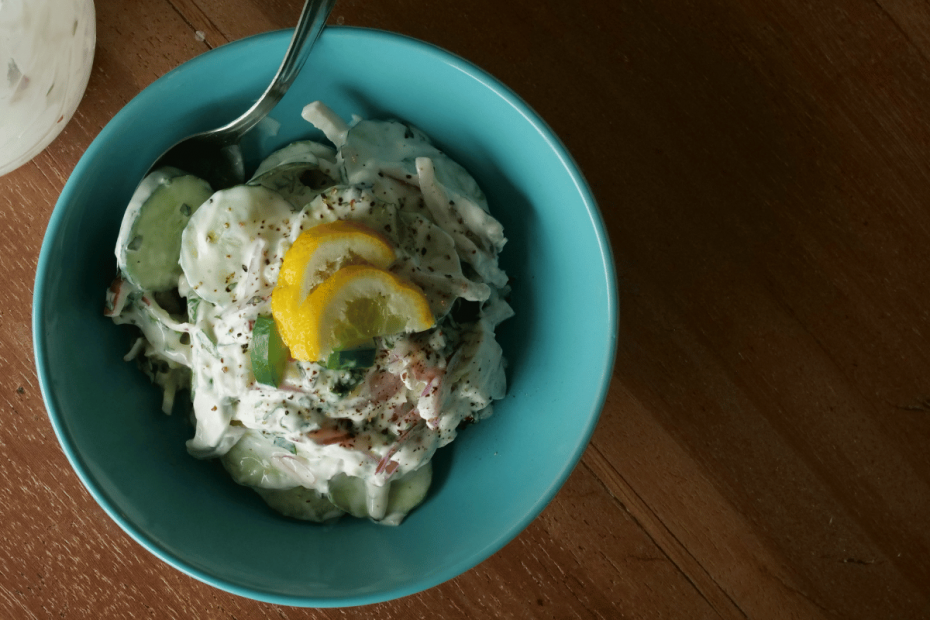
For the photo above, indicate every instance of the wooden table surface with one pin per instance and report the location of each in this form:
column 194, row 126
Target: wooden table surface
column 763, row 167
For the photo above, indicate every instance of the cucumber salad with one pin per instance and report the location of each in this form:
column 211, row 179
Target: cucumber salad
column 332, row 319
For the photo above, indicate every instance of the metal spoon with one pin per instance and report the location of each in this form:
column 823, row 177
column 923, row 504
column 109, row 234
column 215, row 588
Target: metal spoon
column 215, row 155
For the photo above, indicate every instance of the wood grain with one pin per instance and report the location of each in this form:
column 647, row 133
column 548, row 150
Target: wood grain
column 763, row 169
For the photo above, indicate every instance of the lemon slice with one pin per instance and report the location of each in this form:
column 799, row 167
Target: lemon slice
column 326, row 248
column 352, row 306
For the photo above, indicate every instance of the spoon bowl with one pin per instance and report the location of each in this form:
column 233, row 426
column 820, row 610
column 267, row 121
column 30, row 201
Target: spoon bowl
column 216, row 155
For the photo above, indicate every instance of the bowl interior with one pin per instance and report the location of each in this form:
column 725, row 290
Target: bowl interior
column 490, row 483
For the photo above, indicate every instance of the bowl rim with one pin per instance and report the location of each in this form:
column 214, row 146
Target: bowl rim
column 373, row 36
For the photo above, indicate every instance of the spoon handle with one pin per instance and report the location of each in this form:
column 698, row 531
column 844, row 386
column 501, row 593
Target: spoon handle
column 311, row 22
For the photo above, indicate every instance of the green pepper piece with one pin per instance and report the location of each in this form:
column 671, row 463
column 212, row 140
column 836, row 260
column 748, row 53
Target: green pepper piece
column 362, row 357
column 268, row 352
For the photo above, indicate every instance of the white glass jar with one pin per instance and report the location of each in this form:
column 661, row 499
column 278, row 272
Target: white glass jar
column 46, row 53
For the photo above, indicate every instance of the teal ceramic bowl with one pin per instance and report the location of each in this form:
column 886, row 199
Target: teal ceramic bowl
column 490, row 483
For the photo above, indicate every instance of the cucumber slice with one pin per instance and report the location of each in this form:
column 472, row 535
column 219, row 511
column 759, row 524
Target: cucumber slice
column 149, row 242
column 299, row 171
column 302, row 151
column 268, row 352
column 298, row 182
column 249, row 463
column 407, row 493
column 350, row 493
column 222, row 236
column 300, row 503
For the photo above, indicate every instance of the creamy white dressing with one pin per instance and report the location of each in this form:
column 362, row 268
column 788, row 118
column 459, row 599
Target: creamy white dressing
column 378, row 424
